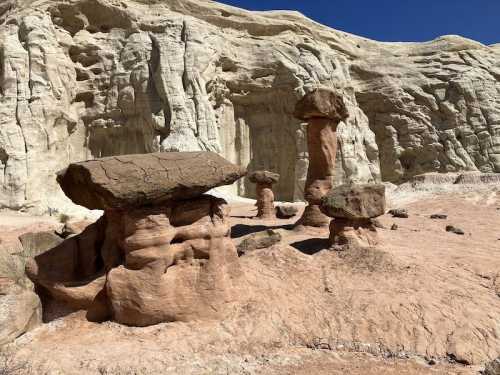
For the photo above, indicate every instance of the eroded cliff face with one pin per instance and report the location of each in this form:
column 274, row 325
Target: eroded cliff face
column 89, row 78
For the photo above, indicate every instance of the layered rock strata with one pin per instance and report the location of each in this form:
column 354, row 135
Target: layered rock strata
column 264, row 181
column 323, row 110
column 353, row 207
column 153, row 257
column 93, row 78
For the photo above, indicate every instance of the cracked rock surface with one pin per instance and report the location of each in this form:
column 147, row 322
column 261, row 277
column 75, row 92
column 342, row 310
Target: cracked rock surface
column 145, row 180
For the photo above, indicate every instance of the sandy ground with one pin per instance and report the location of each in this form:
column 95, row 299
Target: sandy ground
column 423, row 296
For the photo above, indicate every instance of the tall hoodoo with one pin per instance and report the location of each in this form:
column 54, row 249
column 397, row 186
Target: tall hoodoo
column 323, row 110
column 161, row 252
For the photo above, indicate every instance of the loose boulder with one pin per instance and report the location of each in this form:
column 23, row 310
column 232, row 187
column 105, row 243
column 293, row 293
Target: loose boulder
column 260, row 240
column 286, row 211
column 401, row 213
column 439, row 217
column 455, row 230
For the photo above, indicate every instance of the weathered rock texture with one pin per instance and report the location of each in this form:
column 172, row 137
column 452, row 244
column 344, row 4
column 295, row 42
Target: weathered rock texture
column 353, row 207
column 145, row 180
column 95, row 78
column 323, row 109
column 20, row 310
column 264, row 181
column 162, row 251
column 20, row 306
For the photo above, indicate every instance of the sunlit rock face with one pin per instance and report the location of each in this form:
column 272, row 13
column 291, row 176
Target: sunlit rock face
column 95, row 78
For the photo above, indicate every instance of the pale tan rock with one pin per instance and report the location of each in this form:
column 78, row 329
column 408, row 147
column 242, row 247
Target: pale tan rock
column 191, row 84
column 20, row 311
column 109, row 72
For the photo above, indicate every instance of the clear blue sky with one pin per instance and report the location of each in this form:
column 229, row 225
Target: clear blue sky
column 397, row 20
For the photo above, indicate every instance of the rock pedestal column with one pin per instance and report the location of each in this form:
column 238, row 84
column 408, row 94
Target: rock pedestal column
column 323, row 110
column 265, row 195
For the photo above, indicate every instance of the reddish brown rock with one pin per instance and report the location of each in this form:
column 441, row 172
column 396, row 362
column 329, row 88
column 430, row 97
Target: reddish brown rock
column 145, row 180
column 323, row 109
column 180, row 264
column 321, row 103
column 265, row 196
column 353, row 207
column 173, row 261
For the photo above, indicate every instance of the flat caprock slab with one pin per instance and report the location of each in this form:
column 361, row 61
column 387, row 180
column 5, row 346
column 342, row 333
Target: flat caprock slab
column 127, row 181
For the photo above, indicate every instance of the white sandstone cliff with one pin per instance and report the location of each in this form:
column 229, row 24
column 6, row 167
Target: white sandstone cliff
column 89, row 78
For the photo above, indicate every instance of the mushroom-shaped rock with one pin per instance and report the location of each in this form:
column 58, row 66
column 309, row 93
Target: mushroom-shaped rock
column 161, row 252
column 145, row 180
column 265, row 195
column 353, row 207
column 323, row 109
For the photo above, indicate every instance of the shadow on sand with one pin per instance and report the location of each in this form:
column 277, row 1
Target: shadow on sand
column 312, row 246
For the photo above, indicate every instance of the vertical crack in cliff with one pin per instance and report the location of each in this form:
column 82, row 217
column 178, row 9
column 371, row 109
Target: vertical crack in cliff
column 157, row 86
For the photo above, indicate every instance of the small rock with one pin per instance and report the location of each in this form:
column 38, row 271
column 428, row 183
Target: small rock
column 452, row 229
column 493, row 368
column 431, row 362
column 286, row 212
column 261, row 240
column 377, row 223
column 400, row 213
column 394, row 227
column 439, row 216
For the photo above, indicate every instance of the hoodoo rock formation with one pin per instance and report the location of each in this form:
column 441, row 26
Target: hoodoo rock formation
column 265, row 196
column 161, row 252
column 353, row 207
column 323, row 110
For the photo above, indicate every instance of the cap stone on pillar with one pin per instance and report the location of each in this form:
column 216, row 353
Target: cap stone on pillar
column 321, row 103
column 355, row 202
column 353, row 207
column 264, row 177
column 145, row 180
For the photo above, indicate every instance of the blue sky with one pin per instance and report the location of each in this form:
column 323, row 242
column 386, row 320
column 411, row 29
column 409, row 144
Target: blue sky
column 397, row 20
